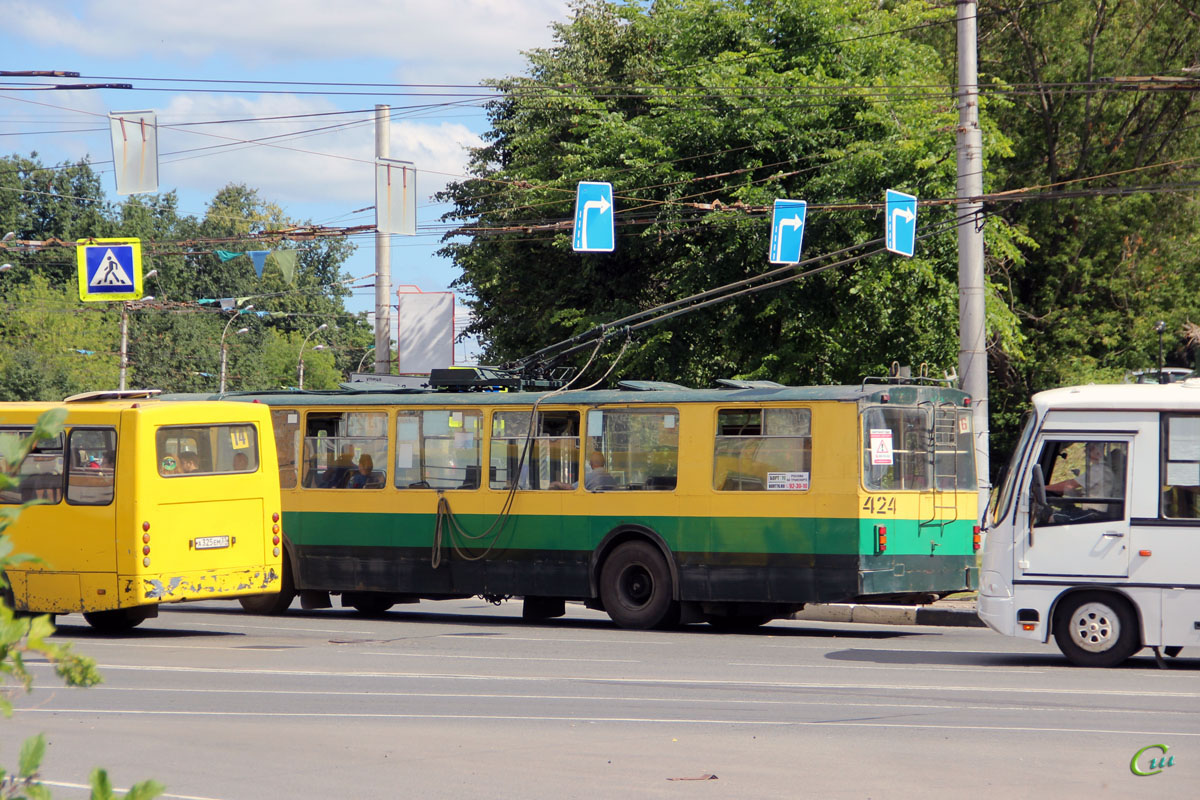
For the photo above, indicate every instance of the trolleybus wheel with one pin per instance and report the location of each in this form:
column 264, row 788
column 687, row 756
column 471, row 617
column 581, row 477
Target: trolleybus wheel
column 369, row 604
column 1096, row 629
column 273, row 604
column 114, row 620
column 635, row 586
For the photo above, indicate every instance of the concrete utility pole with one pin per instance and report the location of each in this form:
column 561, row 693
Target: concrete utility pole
column 972, row 315
column 383, row 260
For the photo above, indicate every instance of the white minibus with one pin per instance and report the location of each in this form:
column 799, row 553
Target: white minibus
column 1094, row 534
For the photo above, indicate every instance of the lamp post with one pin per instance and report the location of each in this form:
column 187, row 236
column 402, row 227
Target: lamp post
column 1160, row 327
column 224, row 350
column 363, row 360
column 300, row 363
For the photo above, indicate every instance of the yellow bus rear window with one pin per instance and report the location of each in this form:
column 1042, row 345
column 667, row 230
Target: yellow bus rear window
column 206, row 450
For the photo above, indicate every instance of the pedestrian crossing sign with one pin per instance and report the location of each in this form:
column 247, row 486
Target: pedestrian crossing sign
column 109, row 269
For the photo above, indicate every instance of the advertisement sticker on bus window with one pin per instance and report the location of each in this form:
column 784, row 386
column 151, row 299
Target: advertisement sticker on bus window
column 595, row 422
column 293, row 419
column 881, row 446
column 787, row 481
column 669, row 421
column 238, row 438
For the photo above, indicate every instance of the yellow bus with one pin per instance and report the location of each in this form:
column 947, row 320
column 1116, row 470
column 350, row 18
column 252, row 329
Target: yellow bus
column 142, row 502
column 653, row 502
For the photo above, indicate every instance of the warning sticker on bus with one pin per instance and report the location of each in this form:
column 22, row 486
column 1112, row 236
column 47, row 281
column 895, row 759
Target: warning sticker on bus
column 881, row 446
column 787, row 481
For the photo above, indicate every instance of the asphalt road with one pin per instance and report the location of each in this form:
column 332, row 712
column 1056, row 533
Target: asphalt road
column 463, row 700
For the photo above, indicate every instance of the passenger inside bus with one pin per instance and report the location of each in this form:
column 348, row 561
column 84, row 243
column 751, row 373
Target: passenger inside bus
column 189, row 461
column 362, row 478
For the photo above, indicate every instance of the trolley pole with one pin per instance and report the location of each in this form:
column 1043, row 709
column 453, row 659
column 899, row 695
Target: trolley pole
column 972, row 315
column 383, row 260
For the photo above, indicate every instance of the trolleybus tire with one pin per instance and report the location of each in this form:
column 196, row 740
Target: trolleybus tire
column 273, row 605
column 635, row 586
column 115, row 620
column 369, row 604
column 1096, row 629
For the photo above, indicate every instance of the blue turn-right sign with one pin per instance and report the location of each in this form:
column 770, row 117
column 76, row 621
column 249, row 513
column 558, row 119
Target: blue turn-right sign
column 594, row 228
column 900, row 226
column 787, row 231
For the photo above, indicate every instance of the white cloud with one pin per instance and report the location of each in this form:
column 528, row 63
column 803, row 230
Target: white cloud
column 299, row 164
column 459, row 41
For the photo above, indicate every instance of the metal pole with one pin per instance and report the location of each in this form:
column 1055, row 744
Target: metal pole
column 124, row 343
column 1160, row 327
column 972, row 314
column 383, row 260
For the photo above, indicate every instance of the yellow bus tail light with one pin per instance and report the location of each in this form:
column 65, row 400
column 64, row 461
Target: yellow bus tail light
column 880, row 538
column 975, row 538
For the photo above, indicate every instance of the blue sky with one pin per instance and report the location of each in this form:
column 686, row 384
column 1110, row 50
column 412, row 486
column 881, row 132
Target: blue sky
column 322, row 176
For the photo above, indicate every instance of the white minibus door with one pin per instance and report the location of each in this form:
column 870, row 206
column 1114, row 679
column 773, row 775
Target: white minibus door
column 1083, row 527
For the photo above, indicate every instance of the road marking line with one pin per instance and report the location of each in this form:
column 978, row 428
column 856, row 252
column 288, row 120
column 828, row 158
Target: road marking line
column 636, row 720
column 68, row 785
column 922, row 667
column 400, row 653
column 732, row 684
column 836, row 701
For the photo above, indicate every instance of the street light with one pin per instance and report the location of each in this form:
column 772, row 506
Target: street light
column 223, row 334
column 1160, row 327
column 362, row 360
column 300, row 363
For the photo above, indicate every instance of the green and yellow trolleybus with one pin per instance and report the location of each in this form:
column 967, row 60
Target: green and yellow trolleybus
column 653, row 502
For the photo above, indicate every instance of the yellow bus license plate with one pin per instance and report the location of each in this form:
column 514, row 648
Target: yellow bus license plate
column 211, row 542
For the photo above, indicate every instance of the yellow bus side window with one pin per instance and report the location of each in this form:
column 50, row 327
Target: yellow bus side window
column 91, row 470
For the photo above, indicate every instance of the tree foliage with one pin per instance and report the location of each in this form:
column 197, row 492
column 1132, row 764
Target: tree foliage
column 1099, row 269
column 52, row 345
column 702, row 113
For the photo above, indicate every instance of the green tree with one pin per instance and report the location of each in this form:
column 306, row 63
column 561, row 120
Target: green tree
column 173, row 341
column 697, row 111
column 53, row 345
column 1098, row 270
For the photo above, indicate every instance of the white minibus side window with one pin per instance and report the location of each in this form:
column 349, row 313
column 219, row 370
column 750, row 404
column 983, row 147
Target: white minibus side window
column 1085, row 481
column 1181, row 466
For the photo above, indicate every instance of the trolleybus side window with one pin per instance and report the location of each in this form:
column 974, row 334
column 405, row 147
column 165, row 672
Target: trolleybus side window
column 1181, row 466
column 91, row 466
column 286, row 422
column 438, row 449
column 631, row 448
column 553, row 457
column 1085, row 481
column 338, row 445
column 762, row 449
column 206, row 449
column 39, row 475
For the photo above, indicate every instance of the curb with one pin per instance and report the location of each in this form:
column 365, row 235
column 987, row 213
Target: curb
column 954, row 617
